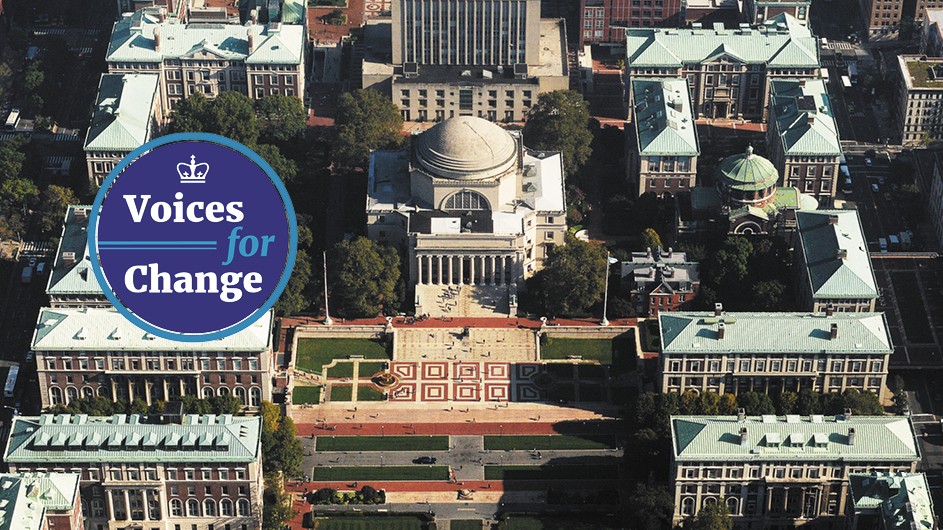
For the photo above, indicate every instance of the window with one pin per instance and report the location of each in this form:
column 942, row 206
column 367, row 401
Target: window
column 243, row 507
column 209, row 508
column 176, row 508
column 549, row 234
column 467, row 200
column 193, row 508
column 225, row 507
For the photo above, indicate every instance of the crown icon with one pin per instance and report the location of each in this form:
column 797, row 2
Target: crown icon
column 193, row 173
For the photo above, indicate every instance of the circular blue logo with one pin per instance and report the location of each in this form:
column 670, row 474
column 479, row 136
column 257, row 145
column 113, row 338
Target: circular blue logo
column 192, row 237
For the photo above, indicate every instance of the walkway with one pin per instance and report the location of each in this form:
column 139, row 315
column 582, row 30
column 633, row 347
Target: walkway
column 368, row 427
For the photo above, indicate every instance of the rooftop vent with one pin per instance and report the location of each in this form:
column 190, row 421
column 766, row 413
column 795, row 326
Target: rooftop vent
column 842, row 254
column 741, row 414
column 718, row 309
column 744, row 437
column 833, row 331
column 833, row 219
column 852, row 435
column 829, row 310
column 68, row 259
column 721, row 329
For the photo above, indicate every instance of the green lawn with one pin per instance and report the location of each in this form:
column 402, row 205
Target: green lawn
column 590, row 349
column 368, row 392
column 382, row 443
column 306, row 394
column 548, row 472
column 342, row 393
column 465, row 524
column 382, row 473
column 369, row 369
column 368, row 522
column 340, row 370
column 560, row 442
column 313, row 354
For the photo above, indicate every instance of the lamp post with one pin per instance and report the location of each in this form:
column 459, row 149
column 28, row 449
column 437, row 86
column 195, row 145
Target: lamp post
column 327, row 313
column 605, row 294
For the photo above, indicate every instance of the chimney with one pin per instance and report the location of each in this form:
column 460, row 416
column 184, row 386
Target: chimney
column 810, row 118
column 741, row 414
column 829, row 310
column 254, row 16
column 802, row 82
column 851, row 436
column 720, row 330
column 162, row 15
column 847, row 414
column 833, row 219
column 68, row 259
column 744, row 437
column 80, row 214
column 718, row 309
column 157, row 39
column 834, row 331
column 842, row 254
column 251, row 39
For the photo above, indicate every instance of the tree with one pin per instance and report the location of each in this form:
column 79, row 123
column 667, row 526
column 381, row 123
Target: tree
column 559, row 121
column 281, row 118
column 787, row 402
column 231, row 114
column 651, row 240
column 284, row 167
column 901, row 405
column 188, row 115
column 650, row 506
column 572, row 279
column 54, row 203
column 711, row 517
column 366, row 120
column 296, row 296
column 281, row 449
column 768, row 295
column 756, row 403
column 363, row 276
column 12, row 157
column 809, row 402
column 276, row 509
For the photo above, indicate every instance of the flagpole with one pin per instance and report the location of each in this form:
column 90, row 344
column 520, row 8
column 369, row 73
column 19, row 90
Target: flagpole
column 327, row 313
column 605, row 294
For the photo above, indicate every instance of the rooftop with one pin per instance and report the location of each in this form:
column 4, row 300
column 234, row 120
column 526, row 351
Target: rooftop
column 901, row 499
column 658, row 270
column 133, row 39
column 466, row 148
column 65, row 438
column 762, row 333
column 748, row 171
column 780, row 42
column 25, row 498
column 920, row 71
column 72, row 271
column 122, row 115
column 662, row 118
column 105, row 329
column 836, row 254
column 804, row 118
column 871, row 439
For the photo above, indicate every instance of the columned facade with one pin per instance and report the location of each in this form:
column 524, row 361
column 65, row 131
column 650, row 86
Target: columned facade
column 443, row 269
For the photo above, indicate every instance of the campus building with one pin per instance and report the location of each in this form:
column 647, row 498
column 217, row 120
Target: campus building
column 490, row 59
column 728, row 70
column 756, row 11
column 126, row 115
column 803, row 137
column 918, row 108
column 664, row 160
column 931, row 36
column 253, row 59
column 71, row 280
column 888, row 501
column 605, row 21
column 834, row 266
column 783, row 472
column 467, row 204
column 40, row 501
column 136, row 472
column 773, row 352
column 87, row 352
column 659, row 280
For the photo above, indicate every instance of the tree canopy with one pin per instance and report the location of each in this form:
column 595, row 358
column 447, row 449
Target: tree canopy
column 746, row 274
column 281, row 449
column 651, row 239
column 281, row 118
column 363, row 278
column 711, row 517
column 559, row 121
column 572, row 279
column 53, row 205
column 366, row 120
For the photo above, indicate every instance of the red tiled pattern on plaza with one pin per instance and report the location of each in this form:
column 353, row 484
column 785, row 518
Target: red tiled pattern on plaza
column 404, row 392
column 465, row 371
column 465, row 382
column 435, row 370
column 435, row 392
column 405, row 371
column 496, row 392
column 497, row 371
column 466, row 392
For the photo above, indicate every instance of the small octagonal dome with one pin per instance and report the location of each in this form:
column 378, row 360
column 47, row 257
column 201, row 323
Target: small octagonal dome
column 748, row 172
column 466, row 148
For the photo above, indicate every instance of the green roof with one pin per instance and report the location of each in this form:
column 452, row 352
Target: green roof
column 781, row 42
column 762, row 333
column 664, row 125
column 293, row 12
column 838, row 264
column 748, row 172
column 901, row 499
column 877, row 439
column 63, row 438
column 133, row 41
column 918, row 71
column 77, row 278
column 25, row 497
column 803, row 117
column 122, row 116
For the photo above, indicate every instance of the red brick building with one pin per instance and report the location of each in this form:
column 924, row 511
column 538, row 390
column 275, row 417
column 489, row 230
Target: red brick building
column 660, row 281
column 605, row 21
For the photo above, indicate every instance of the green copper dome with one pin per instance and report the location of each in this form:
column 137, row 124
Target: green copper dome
column 748, row 172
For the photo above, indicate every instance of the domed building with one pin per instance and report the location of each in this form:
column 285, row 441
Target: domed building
column 746, row 199
column 468, row 205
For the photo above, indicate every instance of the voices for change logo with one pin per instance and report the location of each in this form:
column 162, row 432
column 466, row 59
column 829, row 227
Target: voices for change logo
column 193, row 237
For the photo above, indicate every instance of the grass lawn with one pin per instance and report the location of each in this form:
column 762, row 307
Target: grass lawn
column 650, row 337
column 592, row 393
column 548, row 472
column 369, row 369
column 590, row 349
column 382, row 473
column 562, row 392
column 369, row 393
column 306, row 394
column 382, row 443
column 341, row 393
column 910, row 305
column 465, row 524
column 544, row 443
column 313, row 354
column 340, row 370
column 560, row 522
column 368, row 522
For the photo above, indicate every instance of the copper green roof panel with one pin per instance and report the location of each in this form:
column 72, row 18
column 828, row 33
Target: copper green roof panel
column 748, row 172
column 664, row 125
column 838, row 264
column 902, row 499
column 804, row 118
column 122, row 117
